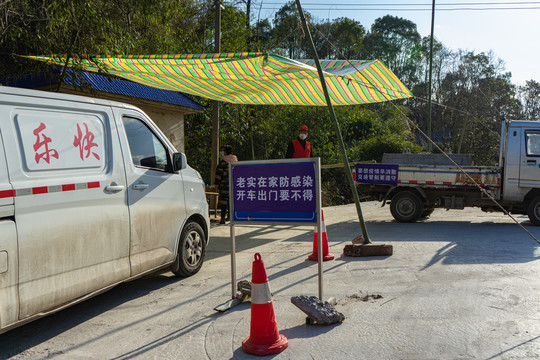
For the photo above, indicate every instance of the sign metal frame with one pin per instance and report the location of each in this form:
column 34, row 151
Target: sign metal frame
column 317, row 182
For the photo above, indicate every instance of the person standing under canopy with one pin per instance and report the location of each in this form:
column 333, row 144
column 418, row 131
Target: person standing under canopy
column 299, row 147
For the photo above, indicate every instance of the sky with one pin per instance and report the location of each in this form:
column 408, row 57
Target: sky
column 510, row 28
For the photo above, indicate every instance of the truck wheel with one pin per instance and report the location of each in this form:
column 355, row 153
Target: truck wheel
column 191, row 251
column 406, row 206
column 533, row 211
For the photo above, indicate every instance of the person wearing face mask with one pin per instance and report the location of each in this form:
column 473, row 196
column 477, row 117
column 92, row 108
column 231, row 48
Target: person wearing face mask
column 299, row 147
column 222, row 179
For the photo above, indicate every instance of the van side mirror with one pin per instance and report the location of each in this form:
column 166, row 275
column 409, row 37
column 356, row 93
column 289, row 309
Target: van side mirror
column 179, row 161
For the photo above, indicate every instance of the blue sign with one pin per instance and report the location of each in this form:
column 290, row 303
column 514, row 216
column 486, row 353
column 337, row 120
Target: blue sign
column 276, row 192
column 382, row 174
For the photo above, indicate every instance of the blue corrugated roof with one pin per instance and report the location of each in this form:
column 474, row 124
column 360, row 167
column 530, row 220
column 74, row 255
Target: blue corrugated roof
column 28, row 81
column 115, row 86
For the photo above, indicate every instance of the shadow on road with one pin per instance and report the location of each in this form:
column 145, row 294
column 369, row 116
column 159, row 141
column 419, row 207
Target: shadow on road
column 29, row 335
column 462, row 242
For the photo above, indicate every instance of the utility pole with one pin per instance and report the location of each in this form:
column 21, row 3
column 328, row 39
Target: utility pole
column 215, row 104
column 430, row 67
column 248, row 29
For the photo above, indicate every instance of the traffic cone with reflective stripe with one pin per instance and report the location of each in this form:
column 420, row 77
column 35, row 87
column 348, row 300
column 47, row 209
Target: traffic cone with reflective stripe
column 264, row 337
column 326, row 253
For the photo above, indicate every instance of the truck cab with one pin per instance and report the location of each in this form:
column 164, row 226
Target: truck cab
column 419, row 188
column 520, row 161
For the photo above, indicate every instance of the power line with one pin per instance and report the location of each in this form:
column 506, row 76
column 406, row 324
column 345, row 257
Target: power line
column 414, row 4
column 333, row 7
column 465, row 6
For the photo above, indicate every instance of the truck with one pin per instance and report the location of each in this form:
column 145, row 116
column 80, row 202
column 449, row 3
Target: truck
column 414, row 191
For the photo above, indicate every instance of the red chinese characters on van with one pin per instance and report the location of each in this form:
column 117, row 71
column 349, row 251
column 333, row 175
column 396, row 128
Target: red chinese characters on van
column 43, row 142
column 85, row 143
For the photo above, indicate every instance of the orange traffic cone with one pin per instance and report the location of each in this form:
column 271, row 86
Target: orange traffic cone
column 326, row 255
column 264, row 337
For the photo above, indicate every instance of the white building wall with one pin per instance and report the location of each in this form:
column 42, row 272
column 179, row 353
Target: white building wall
column 172, row 125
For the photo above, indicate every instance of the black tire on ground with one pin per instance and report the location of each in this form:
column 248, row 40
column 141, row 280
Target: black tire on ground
column 191, row 251
column 427, row 212
column 533, row 210
column 406, row 206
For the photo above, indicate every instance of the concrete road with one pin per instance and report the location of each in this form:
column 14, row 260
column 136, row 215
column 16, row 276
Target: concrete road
column 460, row 285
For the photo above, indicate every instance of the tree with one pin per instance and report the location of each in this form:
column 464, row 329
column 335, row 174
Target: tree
column 322, row 38
column 79, row 27
column 479, row 95
column 397, row 43
column 234, row 36
column 263, row 38
column 530, row 95
column 288, row 31
column 348, row 36
column 341, row 38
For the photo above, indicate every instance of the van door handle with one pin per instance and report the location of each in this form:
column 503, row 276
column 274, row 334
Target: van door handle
column 114, row 188
column 139, row 186
column 531, row 162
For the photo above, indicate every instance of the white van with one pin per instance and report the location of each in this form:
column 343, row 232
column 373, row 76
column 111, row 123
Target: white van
column 92, row 194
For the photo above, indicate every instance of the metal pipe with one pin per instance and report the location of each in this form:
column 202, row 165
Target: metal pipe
column 215, row 104
column 319, row 228
column 232, row 232
column 430, row 68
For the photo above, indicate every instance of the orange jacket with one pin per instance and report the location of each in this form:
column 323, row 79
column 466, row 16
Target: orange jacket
column 300, row 151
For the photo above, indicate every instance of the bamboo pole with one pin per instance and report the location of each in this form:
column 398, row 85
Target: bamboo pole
column 345, row 160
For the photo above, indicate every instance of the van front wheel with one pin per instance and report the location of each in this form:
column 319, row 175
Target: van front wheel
column 191, row 251
column 533, row 211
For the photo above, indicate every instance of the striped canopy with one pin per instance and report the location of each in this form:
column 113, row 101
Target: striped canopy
column 252, row 78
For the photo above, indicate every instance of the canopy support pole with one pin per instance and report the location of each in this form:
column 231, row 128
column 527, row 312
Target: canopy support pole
column 346, row 167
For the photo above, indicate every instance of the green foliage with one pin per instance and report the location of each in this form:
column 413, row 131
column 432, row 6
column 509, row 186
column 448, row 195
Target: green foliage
column 262, row 36
column 81, row 27
column 288, row 32
column 337, row 39
column 529, row 95
column 234, row 35
column 348, row 37
column 397, row 43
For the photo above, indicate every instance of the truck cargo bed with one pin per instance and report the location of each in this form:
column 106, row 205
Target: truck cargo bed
column 450, row 176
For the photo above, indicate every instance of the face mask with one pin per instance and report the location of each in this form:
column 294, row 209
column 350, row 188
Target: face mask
column 302, row 136
column 221, row 153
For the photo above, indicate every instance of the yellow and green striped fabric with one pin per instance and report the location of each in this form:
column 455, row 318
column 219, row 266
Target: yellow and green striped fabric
column 252, row 78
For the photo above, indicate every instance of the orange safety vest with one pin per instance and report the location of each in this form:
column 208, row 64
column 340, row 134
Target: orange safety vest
column 299, row 151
